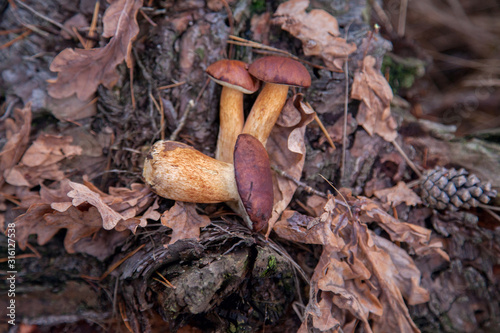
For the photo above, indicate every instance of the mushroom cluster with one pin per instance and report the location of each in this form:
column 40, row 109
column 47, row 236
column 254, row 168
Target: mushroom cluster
column 240, row 174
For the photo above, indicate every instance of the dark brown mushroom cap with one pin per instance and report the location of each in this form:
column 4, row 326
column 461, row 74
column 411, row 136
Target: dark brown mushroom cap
column 233, row 74
column 280, row 70
column 253, row 179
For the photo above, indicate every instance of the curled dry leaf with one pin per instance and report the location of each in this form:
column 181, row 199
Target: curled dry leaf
column 41, row 161
column 81, row 71
column 398, row 194
column 82, row 210
column 375, row 94
column 318, row 31
column 184, row 221
column 361, row 278
column 288, row 132
column 17, row 132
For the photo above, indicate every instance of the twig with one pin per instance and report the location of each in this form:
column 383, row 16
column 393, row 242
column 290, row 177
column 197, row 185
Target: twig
column 131, row 79
column 245, row 42
column 182, row 122
column 403, row 8
column 323, row 129
column 346, row 108
column 93, row 25
column 114, row 266
column 231, row 25
column 341, row 195
column 490, row 211
column 489, row 207
column 48, row 19
column 297, row 182
column 147, row 18
column 407, row 159
column 173, row 85
column 13, row 41
column 382, row 16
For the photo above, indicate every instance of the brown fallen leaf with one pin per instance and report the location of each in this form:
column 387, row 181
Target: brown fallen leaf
column 318, row 31
column 82, row 210
column 81, row 71
column 288, row 132
column 361, row 279
column 375, row 94
column 184, row 221
column 398, row 194
column 41, row 161
column 17, row 132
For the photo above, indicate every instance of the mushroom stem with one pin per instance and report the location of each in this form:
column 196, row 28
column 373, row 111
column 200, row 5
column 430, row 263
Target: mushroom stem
column 179, row 172
column 266, row 111
column 231, row 123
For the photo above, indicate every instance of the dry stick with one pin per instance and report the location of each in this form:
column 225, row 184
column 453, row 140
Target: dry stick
column 173, row 85
column 323, row 129
column 131, row 75
column 490, row 211
column 344, row 126
column 182, row 122
column 124, row 317
column 150, row 21
column 402, row 17
column 407, row 159
column 343, row 198
column 93, row 25
column 231, row 25
column 82, row 40
column 382, row 16
column 245, row 42
column 346, row 108
column 297, row 182
column 48, row 19
column 18, row 38
column 162, row 118
column 190, row 105
column 114, row 266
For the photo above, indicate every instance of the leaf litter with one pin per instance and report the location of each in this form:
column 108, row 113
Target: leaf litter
column 361, row 280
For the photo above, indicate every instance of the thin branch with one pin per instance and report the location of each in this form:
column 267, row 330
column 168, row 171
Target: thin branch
column 48, row 19
column 297, row 182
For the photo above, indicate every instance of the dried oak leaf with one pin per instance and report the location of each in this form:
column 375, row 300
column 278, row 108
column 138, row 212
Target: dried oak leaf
column 41, row 161
column 318, row 31
column 286, row 149
column 398, row 194
column 361, row 278
column 184, row 221
column 17, row 132
column 82, row 210
column 81, row 71
column 375, row 94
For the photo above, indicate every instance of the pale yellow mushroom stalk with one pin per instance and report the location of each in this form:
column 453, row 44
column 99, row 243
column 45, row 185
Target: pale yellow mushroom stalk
column 177, row 171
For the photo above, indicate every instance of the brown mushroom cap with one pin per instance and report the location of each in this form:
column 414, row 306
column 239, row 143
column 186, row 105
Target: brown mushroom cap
column 233, row 74
column 280, row 70
column 252, row 171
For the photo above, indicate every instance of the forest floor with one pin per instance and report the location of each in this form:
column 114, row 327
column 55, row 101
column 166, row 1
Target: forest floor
column 385, row 170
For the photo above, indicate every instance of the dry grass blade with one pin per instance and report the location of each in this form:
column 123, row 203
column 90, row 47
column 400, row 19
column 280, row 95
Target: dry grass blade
column 245, row 42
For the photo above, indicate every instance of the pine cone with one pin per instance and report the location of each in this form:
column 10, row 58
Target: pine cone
column 452, row 189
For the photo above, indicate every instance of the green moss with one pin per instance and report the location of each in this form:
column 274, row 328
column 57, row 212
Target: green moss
column 200, row 53
column 258, row 6
column 402, row 72
column 272, row 264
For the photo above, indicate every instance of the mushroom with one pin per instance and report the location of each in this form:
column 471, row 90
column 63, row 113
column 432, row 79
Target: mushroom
column 177, row 171
column 235, row 81
column 278, row 73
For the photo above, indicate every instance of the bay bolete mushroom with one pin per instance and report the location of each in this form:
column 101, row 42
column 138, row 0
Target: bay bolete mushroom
column 177, row 171
column 278, row 73
column 235, row 81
